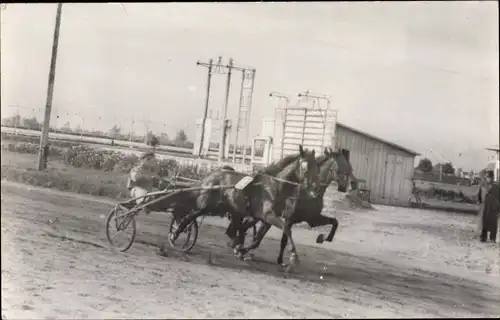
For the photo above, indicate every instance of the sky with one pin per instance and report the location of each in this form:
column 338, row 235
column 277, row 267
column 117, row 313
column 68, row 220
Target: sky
column 420, row 74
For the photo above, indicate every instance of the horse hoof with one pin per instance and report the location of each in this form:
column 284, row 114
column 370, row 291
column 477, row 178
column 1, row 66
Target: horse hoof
column 239, row 255
column 294, row 259
column 289, row 268
column 172, row 236
column 320, row 239
column 248, row 257
column 161, row 253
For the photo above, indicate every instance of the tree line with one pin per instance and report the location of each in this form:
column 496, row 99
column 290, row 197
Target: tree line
column 426, row 170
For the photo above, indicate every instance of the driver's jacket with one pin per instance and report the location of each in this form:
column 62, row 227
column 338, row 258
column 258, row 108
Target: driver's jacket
column 143, row 174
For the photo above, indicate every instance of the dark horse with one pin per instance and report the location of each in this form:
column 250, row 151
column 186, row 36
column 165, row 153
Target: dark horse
column 308, row 209
column 264, row 198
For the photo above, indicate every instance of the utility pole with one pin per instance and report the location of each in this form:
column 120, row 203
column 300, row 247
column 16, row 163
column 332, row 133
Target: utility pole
column 207, row 99
column 131, row 129
column 17, row 118
column 44, row 147
column 81, row 129
column 146, row 122
column 222, row 143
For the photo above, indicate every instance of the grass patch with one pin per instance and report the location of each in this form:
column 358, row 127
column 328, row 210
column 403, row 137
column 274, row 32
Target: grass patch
column 79, row 168
column 22, row 168
column 83, row 156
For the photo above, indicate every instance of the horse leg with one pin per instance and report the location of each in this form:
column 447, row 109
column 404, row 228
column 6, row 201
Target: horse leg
column 185, row 222
column 231, row 232
column 271, row 218
column 320, row 220
column 245, row 251
column 284, row 242
column 294, row 258
column 243, row 229
column 235, row 234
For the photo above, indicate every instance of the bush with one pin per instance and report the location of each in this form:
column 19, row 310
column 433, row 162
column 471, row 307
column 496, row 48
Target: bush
column 111, row 160
column 32, row 148
column 83, row 156
column 168, row 167
column 125, row 162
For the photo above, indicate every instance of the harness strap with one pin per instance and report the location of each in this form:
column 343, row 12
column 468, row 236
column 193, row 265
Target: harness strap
column 282, row 180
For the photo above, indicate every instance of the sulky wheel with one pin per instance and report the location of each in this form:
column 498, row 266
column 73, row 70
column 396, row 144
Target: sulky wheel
column 120, row 229
column 187, row 238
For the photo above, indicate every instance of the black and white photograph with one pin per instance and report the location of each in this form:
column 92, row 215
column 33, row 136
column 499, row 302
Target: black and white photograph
column 250, row 160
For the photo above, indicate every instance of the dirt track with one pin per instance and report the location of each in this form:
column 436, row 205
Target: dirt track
column 386, row 263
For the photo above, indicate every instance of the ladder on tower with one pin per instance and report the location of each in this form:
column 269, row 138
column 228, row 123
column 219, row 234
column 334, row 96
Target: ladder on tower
column 243, row 120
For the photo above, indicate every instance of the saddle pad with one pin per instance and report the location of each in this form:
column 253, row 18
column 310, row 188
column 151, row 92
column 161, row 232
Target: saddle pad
column 245, row 181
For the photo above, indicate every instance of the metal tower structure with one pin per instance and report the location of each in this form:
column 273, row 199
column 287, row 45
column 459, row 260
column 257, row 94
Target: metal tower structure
column 243, row 118
column 244, row 109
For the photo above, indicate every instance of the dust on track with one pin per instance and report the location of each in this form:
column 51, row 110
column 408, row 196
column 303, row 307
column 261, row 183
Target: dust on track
column 56, row 263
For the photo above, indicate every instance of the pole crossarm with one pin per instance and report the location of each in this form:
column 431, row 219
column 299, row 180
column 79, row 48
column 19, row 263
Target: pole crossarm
column 307, row 94
column 226, row 66
column 280, row 95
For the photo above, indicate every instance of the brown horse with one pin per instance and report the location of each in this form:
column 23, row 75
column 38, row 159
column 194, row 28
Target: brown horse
column 308, row 209
column 264, row 198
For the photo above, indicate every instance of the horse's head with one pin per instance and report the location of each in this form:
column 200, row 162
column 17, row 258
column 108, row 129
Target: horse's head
column 307, row 171
column 332, row 165
column 328, row 167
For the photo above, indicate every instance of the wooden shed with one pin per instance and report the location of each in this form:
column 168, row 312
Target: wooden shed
column 385, row 167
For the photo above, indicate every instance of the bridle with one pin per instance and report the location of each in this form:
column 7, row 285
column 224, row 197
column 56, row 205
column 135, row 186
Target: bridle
column 330, row 170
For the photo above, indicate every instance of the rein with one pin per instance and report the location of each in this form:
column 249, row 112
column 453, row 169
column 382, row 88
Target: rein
column 282, row 180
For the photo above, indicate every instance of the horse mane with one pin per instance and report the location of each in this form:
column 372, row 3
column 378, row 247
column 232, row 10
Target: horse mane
column 227, row 167
column 275, row 167
column 321, row 159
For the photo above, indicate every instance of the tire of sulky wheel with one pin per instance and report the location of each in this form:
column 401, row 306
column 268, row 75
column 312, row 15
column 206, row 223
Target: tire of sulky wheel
column 132, row 223
column 192, row 235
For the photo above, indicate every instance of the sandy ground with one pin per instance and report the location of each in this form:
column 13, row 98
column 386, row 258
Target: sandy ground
column 392, row 262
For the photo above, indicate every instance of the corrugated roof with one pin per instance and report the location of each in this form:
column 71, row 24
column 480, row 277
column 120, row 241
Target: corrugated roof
column 394, row 145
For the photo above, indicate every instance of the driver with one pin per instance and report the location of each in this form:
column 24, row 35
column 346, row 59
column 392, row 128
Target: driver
column 144, row 176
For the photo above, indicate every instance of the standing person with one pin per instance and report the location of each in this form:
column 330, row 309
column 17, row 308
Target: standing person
column 415, row 192
column 489, row 199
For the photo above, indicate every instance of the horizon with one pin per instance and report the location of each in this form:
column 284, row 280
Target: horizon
column 436, row 62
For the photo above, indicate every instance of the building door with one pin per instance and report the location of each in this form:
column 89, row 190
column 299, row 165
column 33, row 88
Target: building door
column 398, row 179
column 394, row 180
column 390, row 168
